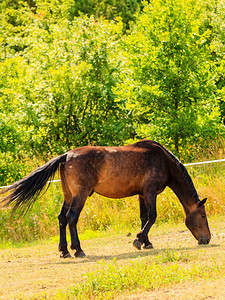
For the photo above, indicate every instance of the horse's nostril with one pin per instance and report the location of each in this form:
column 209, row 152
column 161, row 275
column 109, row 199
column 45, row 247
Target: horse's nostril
column 203, row 241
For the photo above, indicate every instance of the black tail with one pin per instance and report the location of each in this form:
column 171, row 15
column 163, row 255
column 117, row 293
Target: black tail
column 25, row 191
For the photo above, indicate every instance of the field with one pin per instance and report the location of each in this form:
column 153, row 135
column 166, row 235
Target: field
column 111, row 73
column 176, row 268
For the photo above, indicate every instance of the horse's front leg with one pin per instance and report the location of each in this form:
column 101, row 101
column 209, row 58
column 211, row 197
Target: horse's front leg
column 62, row 231
column 148, row 216
column 144, row 219
column 72, row 218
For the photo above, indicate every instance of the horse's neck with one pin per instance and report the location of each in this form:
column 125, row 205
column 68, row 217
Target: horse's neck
column 183, row 187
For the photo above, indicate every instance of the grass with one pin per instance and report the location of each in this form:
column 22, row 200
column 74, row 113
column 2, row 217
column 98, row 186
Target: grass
column 113, row 279
column 113, row 269
column 163, row 269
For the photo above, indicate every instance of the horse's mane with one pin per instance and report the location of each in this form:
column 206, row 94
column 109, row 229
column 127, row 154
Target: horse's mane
column 186, row 175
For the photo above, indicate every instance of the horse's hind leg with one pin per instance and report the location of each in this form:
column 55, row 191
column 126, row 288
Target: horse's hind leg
column 62, row 231
column 72, row 217
column 62, row 216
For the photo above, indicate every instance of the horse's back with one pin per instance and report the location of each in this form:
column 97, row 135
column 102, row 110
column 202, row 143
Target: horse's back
column 115, row 171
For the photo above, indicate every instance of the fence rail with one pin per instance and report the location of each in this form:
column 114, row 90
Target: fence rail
column 204, row 162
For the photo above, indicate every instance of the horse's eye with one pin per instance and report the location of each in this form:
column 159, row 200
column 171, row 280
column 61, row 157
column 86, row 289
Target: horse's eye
column 203, row 216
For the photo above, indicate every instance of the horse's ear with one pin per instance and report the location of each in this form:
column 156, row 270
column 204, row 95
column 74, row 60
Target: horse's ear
column 202, row 202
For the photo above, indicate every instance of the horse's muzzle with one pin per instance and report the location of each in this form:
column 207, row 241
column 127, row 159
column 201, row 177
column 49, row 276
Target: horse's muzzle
column 203, row 241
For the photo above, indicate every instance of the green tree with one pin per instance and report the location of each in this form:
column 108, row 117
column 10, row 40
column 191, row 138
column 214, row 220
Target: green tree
column 216, row 21
column 64, row 88
column 169, row 78
column 70, row 9
column 109, row 9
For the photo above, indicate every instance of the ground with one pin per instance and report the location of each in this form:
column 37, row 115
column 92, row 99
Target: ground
column 32, row 271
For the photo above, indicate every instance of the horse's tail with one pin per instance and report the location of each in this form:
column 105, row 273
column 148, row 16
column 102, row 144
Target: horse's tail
column 25, row 191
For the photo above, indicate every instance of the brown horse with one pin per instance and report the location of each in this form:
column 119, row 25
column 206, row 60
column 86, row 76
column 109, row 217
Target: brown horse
column 144, row 168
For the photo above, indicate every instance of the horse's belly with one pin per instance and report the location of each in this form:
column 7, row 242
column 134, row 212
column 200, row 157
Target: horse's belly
column 116, row 188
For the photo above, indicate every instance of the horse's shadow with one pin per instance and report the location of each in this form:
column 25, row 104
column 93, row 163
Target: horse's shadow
column 129, row 255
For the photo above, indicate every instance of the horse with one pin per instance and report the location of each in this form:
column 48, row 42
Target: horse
column 144, row 168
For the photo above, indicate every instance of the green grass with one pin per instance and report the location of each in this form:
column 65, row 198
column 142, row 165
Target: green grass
column 113, row 279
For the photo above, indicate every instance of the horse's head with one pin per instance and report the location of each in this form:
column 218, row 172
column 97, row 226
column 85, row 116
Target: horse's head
column 196, row 222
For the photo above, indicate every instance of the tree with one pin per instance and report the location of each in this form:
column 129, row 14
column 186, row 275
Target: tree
column 65, row 90
column 216, row 18
column 70, row 9
column 169, row 76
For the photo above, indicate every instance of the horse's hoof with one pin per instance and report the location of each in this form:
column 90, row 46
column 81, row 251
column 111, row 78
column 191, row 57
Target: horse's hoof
column 67, row 255
column 80, row 254
column 72, row 247
column 137, row 244
column 148, row 246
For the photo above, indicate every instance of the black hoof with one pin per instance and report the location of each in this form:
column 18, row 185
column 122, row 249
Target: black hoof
column 80, row 254
column 72, row 247
column 137, row 244
column 65, row 255
column 149, row 246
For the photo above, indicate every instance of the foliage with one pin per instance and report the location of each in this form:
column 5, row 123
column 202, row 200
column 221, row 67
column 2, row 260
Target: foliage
column 71, row 9
column 69, row 80
column 57, row 86
column 108, row 9
column 169, row 75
